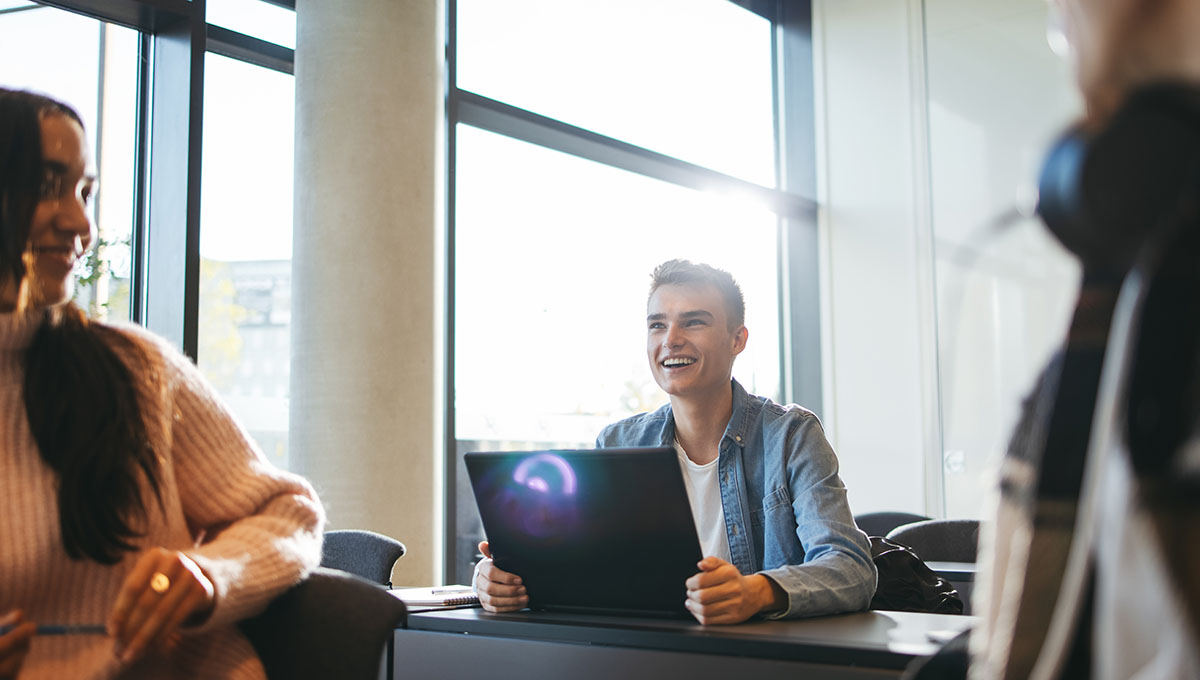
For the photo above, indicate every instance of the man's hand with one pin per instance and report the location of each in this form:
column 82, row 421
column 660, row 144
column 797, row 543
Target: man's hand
column 721, row 594
column 164, row 590
column 498, row 590
column 14, row 645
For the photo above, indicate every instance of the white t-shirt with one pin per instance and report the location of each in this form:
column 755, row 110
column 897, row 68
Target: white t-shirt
column 704, row 493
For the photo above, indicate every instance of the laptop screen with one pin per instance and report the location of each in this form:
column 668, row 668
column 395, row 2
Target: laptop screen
column 593, row 530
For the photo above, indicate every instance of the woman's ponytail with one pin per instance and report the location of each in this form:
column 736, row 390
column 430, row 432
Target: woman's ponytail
column 84, row 413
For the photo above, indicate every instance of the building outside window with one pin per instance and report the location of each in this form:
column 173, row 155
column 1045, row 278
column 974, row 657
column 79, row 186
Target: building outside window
column 246, row 242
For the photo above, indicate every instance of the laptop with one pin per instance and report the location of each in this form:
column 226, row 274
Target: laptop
column 593, row 531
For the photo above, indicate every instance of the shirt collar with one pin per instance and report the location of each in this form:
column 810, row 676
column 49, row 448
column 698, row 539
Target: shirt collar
column 735, row 430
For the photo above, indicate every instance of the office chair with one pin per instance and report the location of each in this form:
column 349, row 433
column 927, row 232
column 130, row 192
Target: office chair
column 880, row 523
column 362, row 553
column 940, row 540
column 331, row 625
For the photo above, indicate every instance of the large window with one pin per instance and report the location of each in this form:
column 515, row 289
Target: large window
column 246, row 245
column 268, row 21
column 94, row 69
column 222, row 293
column 687, row 78
column 648, row 135
column 550, row 307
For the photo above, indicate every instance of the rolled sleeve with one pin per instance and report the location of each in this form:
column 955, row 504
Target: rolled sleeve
column 837, row 573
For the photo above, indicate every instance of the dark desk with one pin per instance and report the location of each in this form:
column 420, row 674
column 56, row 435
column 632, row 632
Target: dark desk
column 462, row 643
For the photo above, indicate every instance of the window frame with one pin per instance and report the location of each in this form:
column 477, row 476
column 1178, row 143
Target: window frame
column 174, row 38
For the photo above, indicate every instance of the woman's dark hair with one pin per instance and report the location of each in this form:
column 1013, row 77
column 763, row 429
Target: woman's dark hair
column 20, row 178
column 80, row 397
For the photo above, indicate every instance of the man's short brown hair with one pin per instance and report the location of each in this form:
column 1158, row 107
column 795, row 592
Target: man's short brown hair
column 686, row 273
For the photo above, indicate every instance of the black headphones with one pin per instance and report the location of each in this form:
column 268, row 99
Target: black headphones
column 1106, row 197
column 1101, row 194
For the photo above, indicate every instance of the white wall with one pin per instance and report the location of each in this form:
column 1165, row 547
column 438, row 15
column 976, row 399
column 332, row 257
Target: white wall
column 932, row 117
column 877, row 308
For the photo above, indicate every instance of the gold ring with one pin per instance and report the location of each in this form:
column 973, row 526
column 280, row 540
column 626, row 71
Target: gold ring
column 159, row 583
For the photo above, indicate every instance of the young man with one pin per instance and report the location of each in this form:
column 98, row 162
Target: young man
column 770, row 510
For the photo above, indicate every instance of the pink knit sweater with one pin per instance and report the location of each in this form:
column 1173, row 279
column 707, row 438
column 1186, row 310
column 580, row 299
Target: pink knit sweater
column 254, row 529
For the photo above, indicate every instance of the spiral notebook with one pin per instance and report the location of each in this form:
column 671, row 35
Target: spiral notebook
column 439, row 596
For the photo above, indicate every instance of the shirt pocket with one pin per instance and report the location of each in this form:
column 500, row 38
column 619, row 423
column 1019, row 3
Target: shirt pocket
column 772, row 501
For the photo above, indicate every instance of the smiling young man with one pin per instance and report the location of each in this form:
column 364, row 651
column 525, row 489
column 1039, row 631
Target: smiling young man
column 770, row 510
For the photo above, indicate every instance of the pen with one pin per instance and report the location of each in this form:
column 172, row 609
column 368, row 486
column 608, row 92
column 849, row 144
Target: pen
column 63, row 629
column 455, row 589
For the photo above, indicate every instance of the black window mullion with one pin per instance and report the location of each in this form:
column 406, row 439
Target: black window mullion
column 149, row 16
column 172, row 251
column 249, row 49
column 501, row 118
column 800, row 302
column 141, row 182
column 450, row 472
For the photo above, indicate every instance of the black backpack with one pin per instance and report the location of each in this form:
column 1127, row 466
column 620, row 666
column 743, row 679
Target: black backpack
column 907, row 584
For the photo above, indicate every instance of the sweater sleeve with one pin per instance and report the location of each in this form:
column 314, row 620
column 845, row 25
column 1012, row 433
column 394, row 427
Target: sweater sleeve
column 262, row 527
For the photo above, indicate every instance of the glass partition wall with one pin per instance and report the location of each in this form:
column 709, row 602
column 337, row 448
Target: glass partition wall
column 997, row 96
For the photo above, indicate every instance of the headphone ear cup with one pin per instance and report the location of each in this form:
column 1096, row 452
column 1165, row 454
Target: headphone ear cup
column 1060, row 191
column 1102, row 194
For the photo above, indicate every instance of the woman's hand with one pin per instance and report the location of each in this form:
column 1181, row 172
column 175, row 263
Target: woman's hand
column 163, row 591
column 498, row 590
column 14, row 645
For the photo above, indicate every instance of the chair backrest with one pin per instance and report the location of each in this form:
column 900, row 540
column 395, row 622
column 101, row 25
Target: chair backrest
column 331, row 625
column 881, row 523
column 362, row 553
column 940, row 540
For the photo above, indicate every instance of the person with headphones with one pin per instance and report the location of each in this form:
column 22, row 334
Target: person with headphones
column 1091, row 568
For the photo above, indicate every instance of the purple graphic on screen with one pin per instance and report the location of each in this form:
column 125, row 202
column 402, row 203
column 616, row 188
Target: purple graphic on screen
column 543, row 493
column 531, row 473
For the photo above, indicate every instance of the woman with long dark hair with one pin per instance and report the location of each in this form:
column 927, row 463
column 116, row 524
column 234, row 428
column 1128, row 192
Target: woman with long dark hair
column 138, row 522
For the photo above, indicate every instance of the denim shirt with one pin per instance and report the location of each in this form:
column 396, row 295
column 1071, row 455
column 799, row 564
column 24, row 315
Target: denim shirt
column 786, row 513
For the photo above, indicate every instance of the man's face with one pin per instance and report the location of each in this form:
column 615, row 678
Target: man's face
column 688, row 341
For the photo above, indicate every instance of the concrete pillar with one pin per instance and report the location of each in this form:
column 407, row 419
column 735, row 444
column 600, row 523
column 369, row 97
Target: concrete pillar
column 366, row 395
